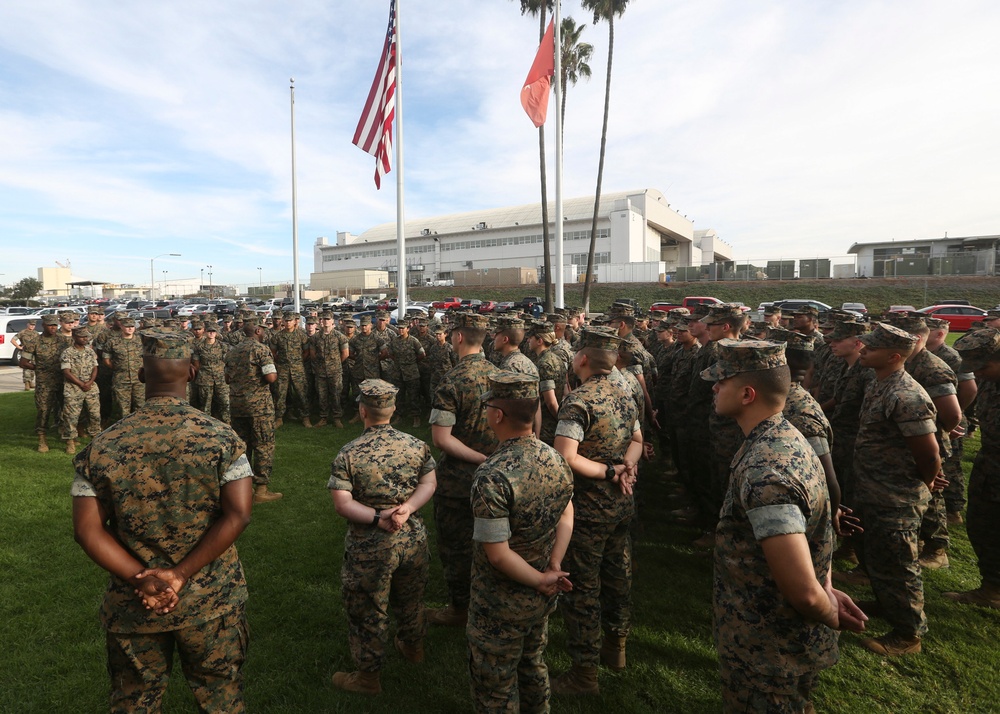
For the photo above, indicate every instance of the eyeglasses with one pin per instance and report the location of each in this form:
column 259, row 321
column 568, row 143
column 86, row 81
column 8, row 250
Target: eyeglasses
column 493, row 406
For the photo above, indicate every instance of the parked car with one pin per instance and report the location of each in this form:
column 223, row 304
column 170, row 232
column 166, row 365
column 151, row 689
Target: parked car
column 526, row 304
column 901, row 308
column 955, row 302
column 789, row 306
column 412, row 311
column 57, row 310
column 448, row 303
column 10, row 325
column 488, row 306
column 190, row 309
column 469, row 303
column 503, row 307
column 959, row 317
column 858, row 307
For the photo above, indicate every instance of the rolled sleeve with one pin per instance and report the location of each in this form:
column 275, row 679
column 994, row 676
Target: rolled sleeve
column 918, row 428
column 491, row 530
column 547, row 385
column 82, row 488
column 239, row 469
column 439, row 417
column 941, row 390
column 820, row 445
column 268, row 369
column 775, row 520
column 570, row 429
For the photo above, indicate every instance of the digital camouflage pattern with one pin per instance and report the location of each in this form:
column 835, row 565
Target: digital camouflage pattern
column 25, row 340
column 125, row 354
column 388, row 370
column 289, row 350
column 364, row 351
column 777, row 487
column 382, row 468
column 518, row 496
column 517, row 361
column 327, row 350
column 47, row 359
column 250, row 404
column 805, row 414
column 407, row 353
column 158, row 474
column 213, row 392
column 954, row 492
column 551, row 378
column 441, row 358
column 457, row 404
column 849, row 394
column 81, row 363
column 983, row 513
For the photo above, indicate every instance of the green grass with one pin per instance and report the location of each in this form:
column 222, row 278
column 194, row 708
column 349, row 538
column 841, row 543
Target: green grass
column 53, row 658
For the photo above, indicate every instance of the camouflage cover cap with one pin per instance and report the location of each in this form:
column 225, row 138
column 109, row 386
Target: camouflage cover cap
column 377, row 393
column 738, row 356
column 599, row 339
column 95, row 310
column 557, row 318
column 81, row 332
column 992, row 314
column 844, row 330
column 470, row 319
column 724, row 312
column 438, row 329
column 936, row 323
column 365, row 320
column 978, row 348
column 127, row 322
column 620, row 310
column 326, row 314
column 227, row 318
column 511, row 385
column 510, row 323
column 381, row 315
column 835, row 316
column 807, row 310
column 294, row 316
column 165, row 345
column 886, row 336
column 541, row 327
column 772, row 310
column 50, row 319
column 121, row 313
column 793, row 340
column 250, row 322
column 211, row 326
column 68, row 316
column 312, row 320
column 422, row 322
column 348, row 321
column 197, row 324
column 31, row 320
column 908, row 322
column 560, row 311
column 679, row 312
column 682, row 324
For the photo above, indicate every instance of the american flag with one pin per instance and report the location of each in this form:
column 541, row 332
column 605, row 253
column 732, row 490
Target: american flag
column 374, row 132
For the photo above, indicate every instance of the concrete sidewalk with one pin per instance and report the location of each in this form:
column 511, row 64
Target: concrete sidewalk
column 10, row 380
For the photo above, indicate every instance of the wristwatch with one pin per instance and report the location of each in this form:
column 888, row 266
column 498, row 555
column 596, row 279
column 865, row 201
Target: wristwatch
column 609, row 472
column 377, row 518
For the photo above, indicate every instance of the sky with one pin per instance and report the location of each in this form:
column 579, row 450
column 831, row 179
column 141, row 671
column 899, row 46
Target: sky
column 794, row 129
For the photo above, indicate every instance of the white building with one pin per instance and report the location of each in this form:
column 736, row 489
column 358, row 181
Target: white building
column 639, row 238
column 972, row 255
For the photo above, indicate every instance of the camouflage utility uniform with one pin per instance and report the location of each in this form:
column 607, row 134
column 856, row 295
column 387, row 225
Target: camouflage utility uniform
column 954, row 492
column 47, row 359
column 288, row 359
column 125, row 354
column 551, row 378
column 327, row 352
column 81, row 364
column 381, row 469
column 25, row 341
column 213, row 392
column 251, row 406
column 769, row 655
column 167, row 459
column 407, row 353
column 518, row 495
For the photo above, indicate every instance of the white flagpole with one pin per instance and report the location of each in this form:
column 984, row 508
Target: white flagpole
column 295, row 214
column 401, row 272
column 560, row 273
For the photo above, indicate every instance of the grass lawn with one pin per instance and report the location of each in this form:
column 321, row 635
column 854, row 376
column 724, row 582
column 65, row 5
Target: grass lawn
column 53, row 658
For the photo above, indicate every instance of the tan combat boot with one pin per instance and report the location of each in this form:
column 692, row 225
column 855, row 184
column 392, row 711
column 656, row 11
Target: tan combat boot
column 954, row 518
column 411, row 653
column 71, row 447
column 613, row 652
column 579, row 680
column 307, row 423
column 934, row 559
column 985, row 595
column 278, row 423
column 43, row 445
column 355, row 419
column 449, row 616
column 321, row 422
column 416, row 421
column 339, row 423
column 892, row 645
column 360, row 682
column 262, row 495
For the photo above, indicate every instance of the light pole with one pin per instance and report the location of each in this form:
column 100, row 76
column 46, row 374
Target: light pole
column 210, row 291
column 152, row 286
column 260, row 283
column 164, row 283
column 201, row 281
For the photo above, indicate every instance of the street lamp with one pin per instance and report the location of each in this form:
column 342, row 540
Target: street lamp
column 260, row 283
column 201, row 281
column 210, row 291
column 151, row 282
column 164, row 283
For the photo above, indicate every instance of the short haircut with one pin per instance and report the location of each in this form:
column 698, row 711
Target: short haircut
column 771, row 385
column 521, row 411
column 472, row 335
column 600, row 360
column 514, row 334
column 799, row 360
column 379, row 413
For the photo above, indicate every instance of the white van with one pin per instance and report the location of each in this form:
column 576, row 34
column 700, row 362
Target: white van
column 10, row 325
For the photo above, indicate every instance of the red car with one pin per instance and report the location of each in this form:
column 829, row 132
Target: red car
column 448, row 303
column 488, row 306
column 960, row 317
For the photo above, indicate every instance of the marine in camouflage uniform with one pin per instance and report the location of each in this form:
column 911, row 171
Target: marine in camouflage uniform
column 309, row 366
column 551, row 377
column 891, row 486
column 123, row 354
column 521, row 504
column 678, row 384
column 328, row 349
column 848, row 396
column 427, row 341
column 385, row 333
column 288, row 347
column 162, row 478
column 364, row 351
column 379, row 481
column 561, row 347
column 457, row 414
column 349, row 328
column 599, row 435
column 105, row 375
column 209, row 356
column 980, row 351
column 249, row 370
column 407, row 353
column 25, row 341
column 441, row 357
column 770, row 653
column 46, row 362
column 80, row 391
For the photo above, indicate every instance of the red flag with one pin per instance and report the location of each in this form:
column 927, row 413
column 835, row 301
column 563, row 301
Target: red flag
column 374, row 132
column 535, row 92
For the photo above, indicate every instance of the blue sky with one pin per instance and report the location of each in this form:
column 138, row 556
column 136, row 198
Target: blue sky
column 792, row 128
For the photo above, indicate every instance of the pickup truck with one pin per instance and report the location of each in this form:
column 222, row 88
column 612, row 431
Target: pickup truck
column 448, row 303
column 688, row 302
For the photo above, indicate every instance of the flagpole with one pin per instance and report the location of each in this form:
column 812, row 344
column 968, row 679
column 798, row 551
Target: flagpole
column 557, row 43
column 295, row 215
column 401, row 271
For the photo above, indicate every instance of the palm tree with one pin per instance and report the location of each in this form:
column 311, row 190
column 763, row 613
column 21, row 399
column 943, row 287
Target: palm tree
column 540, row 8
column 603, row 10
column 575, row 55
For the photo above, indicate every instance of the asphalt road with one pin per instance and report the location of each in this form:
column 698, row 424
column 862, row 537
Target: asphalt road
column 10, row 380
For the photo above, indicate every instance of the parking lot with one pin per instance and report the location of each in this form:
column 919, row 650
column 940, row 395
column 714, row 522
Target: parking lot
column 10, row 380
